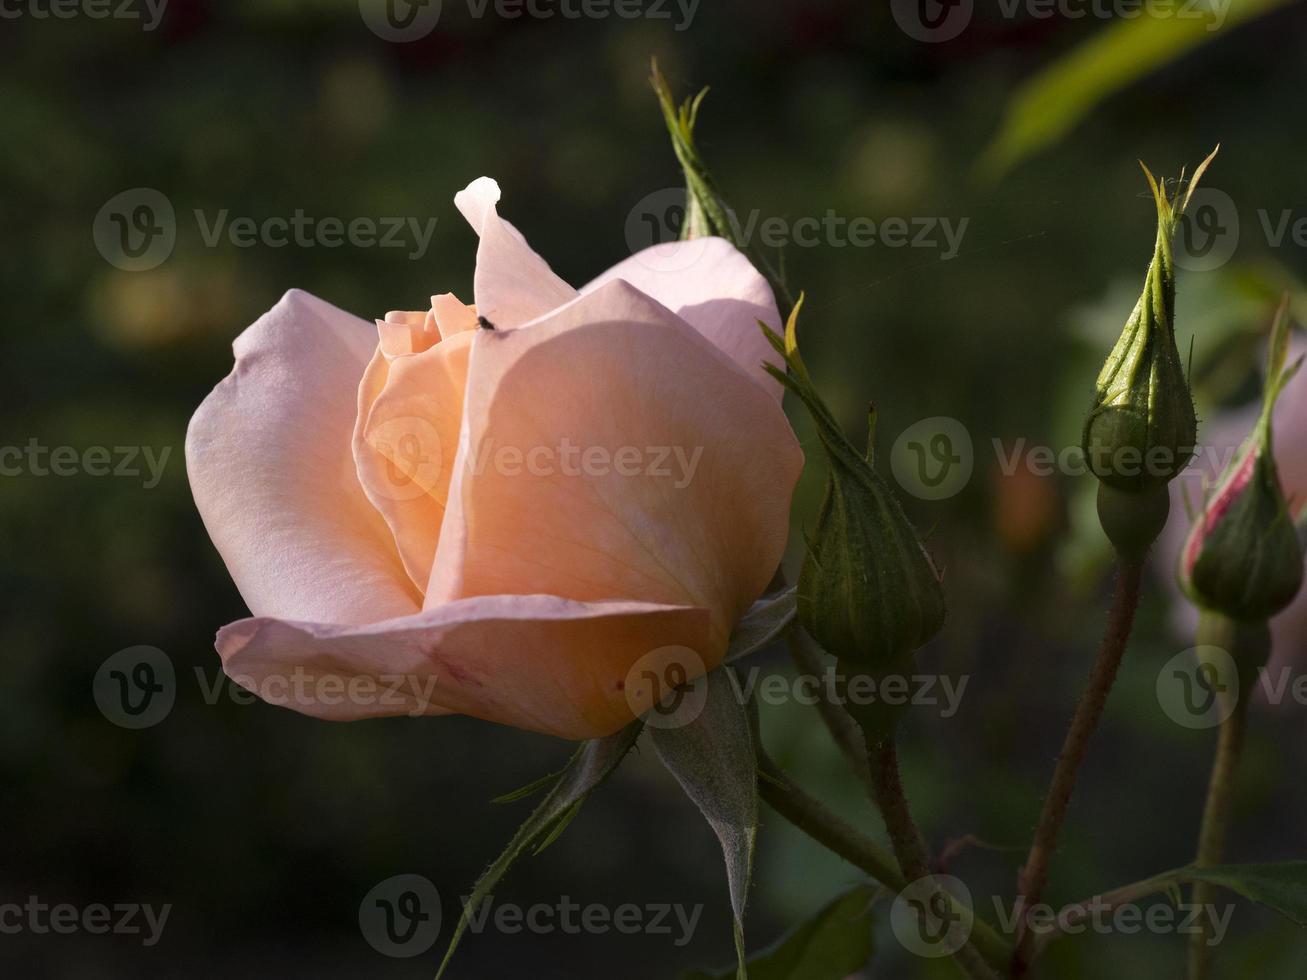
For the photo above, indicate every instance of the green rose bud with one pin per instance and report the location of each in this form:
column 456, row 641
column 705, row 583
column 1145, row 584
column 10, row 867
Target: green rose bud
column 868, row 591
column 706, row 212
column 1142, row 428
column 1243, row 557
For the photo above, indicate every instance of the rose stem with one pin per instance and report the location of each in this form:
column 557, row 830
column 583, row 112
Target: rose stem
column 1034, row 874
column 843, row 729
column 837, row 836
column 1218, row 631
column 905, row 839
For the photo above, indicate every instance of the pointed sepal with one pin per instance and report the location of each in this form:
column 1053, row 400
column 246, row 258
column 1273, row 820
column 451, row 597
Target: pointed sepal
column 713, row 759
column 592, row 763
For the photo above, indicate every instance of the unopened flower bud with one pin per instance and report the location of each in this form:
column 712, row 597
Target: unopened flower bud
column 868, row 591
column 1243, row 557
column 1142, row 428
column 705, row 211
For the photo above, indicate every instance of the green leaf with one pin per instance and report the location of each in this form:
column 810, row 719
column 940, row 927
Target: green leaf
column 1281, row 886
column 834, row 943
column 592, row 763
column 713, row 759
column 1049, row 105
column 765, row 620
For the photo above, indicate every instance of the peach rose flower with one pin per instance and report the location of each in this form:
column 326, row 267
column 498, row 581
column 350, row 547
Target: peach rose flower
column 1219, row 440
column 499, row 510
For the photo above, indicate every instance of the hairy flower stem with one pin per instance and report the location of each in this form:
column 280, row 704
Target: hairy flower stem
column 1211, row 836
column 843, row 729
column 837, row 836
column 827, row 829
column 905, row 840
column 1216, row 630
column 1034, row 874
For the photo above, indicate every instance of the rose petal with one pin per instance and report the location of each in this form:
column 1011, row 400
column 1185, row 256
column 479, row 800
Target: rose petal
column 268, row 455
column 1290, row 429
column 403, row 333
column 513, row 284
column 404, row 444
column 712, row 286
column 537, row 662
column 452, row 316
column 616, row 371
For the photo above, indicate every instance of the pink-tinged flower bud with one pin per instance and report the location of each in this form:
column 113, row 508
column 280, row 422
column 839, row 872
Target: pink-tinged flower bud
column 1243, row 557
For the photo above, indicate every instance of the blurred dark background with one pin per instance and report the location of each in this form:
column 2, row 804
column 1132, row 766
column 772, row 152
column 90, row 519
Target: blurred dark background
column 265, row 829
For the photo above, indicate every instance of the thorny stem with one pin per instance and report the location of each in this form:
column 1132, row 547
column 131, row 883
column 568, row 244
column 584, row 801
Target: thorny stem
column 1034, row 874
column 837, row 836
column 843, row 729
column 906, row 840
column 1216, row 822
column 1215, row 629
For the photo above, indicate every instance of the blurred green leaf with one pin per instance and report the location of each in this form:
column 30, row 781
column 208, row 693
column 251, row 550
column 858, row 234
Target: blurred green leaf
column 1050, row 104
column 1281, row 886
column 834, row 943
